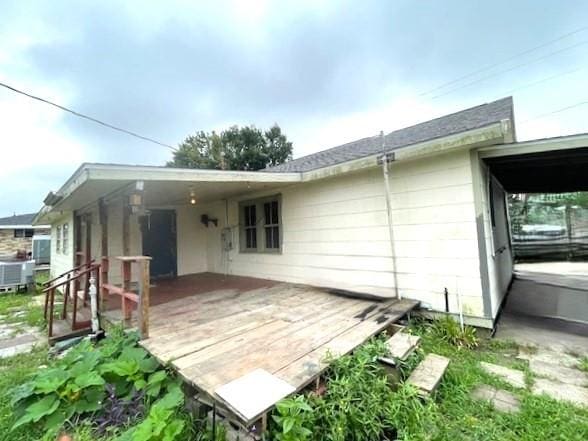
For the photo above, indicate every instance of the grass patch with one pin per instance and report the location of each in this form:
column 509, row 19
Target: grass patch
column 358, row 405
column 583, row 365
column 25, row 308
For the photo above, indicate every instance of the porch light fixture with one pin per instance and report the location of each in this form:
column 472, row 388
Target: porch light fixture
column 192, row 197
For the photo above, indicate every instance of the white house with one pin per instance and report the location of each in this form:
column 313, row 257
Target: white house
column 416, row 213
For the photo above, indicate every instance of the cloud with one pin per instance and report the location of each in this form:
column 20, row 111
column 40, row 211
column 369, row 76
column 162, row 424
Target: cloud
column 327, row 71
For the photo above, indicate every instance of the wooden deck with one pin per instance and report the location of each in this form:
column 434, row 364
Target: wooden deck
column 212, row 338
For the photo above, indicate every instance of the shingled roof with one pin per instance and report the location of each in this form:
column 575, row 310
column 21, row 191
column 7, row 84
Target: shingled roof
column 469, row 119
column 20, row 219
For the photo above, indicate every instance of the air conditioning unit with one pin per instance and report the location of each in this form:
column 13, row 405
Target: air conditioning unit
column 14, row 275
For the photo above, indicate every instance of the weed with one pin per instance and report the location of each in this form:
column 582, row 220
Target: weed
column 447, row 329
column 583, row 364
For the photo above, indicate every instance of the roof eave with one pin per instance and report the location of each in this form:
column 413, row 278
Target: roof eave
column 496, row 133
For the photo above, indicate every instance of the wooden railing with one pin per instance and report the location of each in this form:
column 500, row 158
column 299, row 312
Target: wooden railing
column 129, row 299
column 66, row 283
column 80, row 276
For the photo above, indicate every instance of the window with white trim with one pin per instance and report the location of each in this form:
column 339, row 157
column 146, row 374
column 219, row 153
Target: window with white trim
column 260, row 225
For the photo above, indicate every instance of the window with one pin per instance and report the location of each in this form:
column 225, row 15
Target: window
column 58, row 239
column 65, row 240
column 24, row 232
column 259, row 222
column 271, row 225
column 250, row 227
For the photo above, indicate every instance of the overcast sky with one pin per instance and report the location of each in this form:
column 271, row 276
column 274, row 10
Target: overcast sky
column 327, row 72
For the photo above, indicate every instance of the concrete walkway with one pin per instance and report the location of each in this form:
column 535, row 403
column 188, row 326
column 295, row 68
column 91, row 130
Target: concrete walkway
column 18, row 337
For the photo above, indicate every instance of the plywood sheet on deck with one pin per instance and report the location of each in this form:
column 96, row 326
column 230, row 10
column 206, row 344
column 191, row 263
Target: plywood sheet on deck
column 286, row 330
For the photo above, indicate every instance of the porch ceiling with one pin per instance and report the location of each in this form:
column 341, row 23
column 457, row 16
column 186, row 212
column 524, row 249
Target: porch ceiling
column 162, row 193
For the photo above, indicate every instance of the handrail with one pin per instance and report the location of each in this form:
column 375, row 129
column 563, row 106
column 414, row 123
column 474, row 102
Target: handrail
column 50, row 294
column 49, row 282
column 77, row 276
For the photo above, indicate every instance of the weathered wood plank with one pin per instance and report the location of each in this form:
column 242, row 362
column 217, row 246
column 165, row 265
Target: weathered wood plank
column 428, row 373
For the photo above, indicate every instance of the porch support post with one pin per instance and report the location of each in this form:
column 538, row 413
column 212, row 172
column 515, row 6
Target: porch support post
column 103, row 279
column 126, row 240
column 144, row 297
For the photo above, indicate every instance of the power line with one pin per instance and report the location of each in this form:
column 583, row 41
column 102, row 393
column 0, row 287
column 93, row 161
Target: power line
column 563, row 109
column 512, row 57
column 544, row 80
column 479, row 80
column 90, row 118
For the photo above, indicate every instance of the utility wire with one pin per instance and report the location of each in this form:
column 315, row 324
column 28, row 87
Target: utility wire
column 89, row 118
column 513, row 57
column 544, row 80
column 563, row 109
column 518, row 66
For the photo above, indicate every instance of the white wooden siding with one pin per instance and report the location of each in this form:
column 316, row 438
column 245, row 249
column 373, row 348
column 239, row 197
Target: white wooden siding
column 60, row 261
column 335, row 234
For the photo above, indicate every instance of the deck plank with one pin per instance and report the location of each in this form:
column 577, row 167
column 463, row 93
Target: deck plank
column 213, row 338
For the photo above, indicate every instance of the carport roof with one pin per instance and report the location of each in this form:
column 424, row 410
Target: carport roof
column 551, row 165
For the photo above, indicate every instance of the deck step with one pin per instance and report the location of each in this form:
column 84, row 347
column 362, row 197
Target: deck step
column 400, row 346
column 427, row 375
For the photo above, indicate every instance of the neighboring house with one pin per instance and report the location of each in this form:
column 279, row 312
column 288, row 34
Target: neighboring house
column 16, row 235
column 416, row 213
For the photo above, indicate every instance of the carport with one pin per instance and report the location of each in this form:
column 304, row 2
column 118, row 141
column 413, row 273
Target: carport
column 557, row 290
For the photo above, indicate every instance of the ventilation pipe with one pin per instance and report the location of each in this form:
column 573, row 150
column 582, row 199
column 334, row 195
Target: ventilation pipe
column 386, row 158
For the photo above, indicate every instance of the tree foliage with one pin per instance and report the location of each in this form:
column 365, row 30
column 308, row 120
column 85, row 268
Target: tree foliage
column 237, row 148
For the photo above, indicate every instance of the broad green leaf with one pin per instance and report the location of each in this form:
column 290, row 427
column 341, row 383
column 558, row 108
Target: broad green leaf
column 89, row 379
column 143, row 432
column 288, row 424
column 83, row 406
column 50, row 380
column 149, row 365
column 120, row 367
column 173, row 398
column 21, row 392
column 38, row 410
column 86, row 364
column 133, row 354
column 157, row 377
column 173, row 429
column 140, row 384
column 54, row 421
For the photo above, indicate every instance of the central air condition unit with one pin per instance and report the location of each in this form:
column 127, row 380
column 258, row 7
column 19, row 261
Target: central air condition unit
column 14, row 275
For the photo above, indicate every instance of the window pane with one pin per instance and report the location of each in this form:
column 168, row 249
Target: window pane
column 267, row 209
column 29, row 233
column 274, row 212
column 272, row 237
column 251, row 238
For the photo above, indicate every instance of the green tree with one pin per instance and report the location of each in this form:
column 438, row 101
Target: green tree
column 237, row 148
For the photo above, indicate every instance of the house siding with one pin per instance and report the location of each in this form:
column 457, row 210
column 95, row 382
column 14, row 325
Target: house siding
column 335, row 234
column 60, row 261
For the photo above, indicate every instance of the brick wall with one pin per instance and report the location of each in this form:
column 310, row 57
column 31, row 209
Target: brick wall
column 10, row 244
